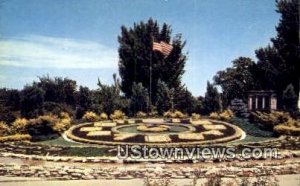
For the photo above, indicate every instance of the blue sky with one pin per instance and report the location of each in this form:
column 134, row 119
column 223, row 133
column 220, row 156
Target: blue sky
column 78, row 38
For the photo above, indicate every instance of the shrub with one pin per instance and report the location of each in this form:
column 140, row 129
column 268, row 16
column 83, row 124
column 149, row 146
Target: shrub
column 4, row 129
column 20, row 125
column 153, row 113
column 43, row 125
column 63, row 123
column 214, row 115
column 16, row 137
column 141, row 114
column 291, row 127
column 196, row 116
column 176, row 114
column 118, row 114
column 226, row 115
column 103, row 116
column 269, row 120
column 168, row 114
column 90, row 116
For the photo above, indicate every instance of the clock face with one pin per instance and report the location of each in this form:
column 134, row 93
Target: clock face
column 162, row 133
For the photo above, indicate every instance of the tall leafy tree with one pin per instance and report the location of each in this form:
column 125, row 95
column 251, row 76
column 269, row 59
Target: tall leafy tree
column 136, row 55
column 139, row 99
column 32, row 99
column 59, row 90
column 84, row 101
column 212, row 99
column 165, row 97
column 237, row 80
column 278, row 63
column 108, row 97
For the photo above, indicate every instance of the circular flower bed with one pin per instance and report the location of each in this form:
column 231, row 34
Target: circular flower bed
column 155, row 134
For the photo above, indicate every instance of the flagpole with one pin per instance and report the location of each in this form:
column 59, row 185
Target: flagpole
column 150, row 76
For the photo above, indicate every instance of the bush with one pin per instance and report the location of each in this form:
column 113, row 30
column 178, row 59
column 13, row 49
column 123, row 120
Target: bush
column 176, row 114
column 43, row 125
column 20, row 125
column 103, row 116
column 118, row 114
column 4, row 129
column 90, row 116
column 168, row 114
column 196, row 116
column 291, row 127
column 214, row 115
column 226, row 115
column 63, row 123
column 141, row 114
column 287, row 130
column 269, row 120
column 16, row 137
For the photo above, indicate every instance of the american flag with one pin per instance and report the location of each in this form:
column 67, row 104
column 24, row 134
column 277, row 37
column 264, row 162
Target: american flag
column 162, row 47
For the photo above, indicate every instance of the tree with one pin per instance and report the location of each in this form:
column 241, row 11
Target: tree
column 289, row 99
column 164, row 97
column 139, row 98
column 59, row 90
column 212, row 99
column 237, row 80
column 108, row 97
column 32, row 99
column 278, row 63
column 84, row 101
column 136, row 54
column 184, row 100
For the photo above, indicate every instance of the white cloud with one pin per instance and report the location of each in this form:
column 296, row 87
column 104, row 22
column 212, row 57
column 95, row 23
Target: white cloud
column 42, row 51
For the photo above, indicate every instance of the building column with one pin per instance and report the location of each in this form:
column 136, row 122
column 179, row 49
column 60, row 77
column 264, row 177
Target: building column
column 250, row 103
column 263, row 102
column 273, row 103
column 256, row 102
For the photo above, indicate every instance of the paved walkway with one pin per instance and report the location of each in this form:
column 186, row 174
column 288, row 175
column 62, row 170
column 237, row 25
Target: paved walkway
column 284, row 180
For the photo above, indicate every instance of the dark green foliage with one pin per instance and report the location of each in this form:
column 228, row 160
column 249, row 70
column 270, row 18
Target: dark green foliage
column 139, row 98
column 289, row 98
column 185, row 101
column 237, row 80
column 108, row 98
column 252, row 129
column 279, row 63
column 212, row 100
column 164, row 97
column 135, row 53
column 57, row 108
column 9, row 104
column 84, row 101
column 32, row 100
column 59, row 90
column 239, row 108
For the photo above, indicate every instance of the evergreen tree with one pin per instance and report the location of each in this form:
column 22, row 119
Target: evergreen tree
column 185, row 101
column 84, row 101
column 108, row 97
column 278, row 63
column 165, row 97
column 136, row 55
column 290, row 99
column 212, row 99
column 32, row 99
column 139, row 98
